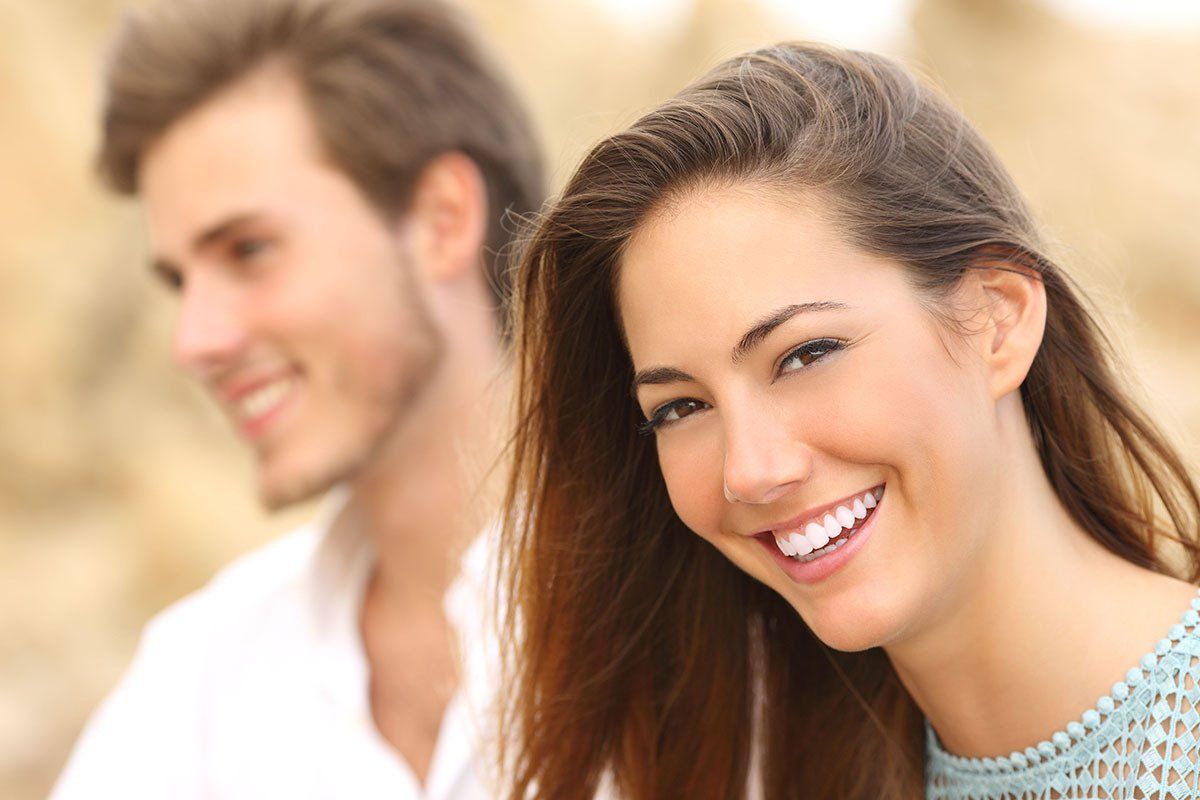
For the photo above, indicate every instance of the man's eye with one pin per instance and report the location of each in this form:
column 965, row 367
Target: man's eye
column 170, row 278
column 809, row 352
column 672, row 412
column 243, row 249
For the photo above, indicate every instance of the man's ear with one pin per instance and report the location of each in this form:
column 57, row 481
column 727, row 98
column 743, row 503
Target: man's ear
column 448, row 215
column 1014, row 321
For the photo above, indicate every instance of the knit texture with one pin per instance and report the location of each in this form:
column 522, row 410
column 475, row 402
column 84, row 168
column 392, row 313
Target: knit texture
column 1140, row 741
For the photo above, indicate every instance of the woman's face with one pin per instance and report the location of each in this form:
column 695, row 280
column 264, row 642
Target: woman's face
column 814, row 422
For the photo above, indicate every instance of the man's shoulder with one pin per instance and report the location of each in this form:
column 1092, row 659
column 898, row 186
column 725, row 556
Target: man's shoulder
column 265, row 570
column 256, row 583
column 151, row 730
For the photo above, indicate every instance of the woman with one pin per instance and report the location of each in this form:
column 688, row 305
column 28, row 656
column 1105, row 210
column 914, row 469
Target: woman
column 821, row 457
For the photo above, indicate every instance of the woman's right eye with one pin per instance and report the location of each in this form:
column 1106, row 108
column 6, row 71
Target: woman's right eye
column 670, row 413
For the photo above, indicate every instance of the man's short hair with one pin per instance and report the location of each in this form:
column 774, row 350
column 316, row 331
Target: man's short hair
column 391, row 85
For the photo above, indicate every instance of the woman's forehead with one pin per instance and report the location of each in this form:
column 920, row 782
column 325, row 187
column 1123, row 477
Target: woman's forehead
column 724, row 248
column 696, row 280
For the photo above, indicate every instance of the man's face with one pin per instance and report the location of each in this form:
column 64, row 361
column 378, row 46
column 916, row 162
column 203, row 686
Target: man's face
column 299, row 306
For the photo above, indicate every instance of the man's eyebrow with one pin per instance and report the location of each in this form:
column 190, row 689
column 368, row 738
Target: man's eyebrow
column 656, row 375
column 166, row 268
column 761, row 329
column 221, row 229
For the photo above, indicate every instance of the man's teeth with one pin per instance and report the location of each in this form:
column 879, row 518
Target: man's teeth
column 815, row 539
column 260, row 401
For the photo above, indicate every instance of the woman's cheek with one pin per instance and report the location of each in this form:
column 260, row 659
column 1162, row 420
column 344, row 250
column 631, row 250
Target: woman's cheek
column 693, row 482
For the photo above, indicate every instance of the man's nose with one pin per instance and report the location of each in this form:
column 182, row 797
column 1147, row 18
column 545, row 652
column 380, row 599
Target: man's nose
column 209, row 330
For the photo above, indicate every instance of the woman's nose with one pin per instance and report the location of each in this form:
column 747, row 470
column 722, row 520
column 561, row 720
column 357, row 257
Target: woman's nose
column 764, row 460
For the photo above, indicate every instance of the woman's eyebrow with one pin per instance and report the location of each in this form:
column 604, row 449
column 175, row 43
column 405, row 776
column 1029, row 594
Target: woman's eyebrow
column 751, row 339
column 657, row 375
column 761, row 329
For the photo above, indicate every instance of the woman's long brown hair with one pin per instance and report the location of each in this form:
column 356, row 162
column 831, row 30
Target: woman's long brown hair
column 636, row 650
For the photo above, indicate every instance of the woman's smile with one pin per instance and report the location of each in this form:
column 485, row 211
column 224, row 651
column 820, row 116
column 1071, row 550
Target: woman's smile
column 818, row 543
column 820, row 531
column 817, row 530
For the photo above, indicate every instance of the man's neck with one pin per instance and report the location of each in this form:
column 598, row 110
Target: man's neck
column 422, row 502
column 431, row 490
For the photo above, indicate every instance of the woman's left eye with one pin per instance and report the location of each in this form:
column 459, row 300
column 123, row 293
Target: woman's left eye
column 807, row 353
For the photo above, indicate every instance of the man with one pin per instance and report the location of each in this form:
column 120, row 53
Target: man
column 325, row 184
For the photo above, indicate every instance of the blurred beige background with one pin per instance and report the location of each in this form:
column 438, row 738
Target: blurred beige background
column 121, row 490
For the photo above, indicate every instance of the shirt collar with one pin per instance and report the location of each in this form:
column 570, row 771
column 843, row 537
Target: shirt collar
column 337, row 583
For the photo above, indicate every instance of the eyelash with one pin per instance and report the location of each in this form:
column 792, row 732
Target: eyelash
column 814, row 349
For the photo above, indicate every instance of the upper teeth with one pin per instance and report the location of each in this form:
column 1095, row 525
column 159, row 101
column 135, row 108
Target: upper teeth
column 260, row 401
column 817, row 533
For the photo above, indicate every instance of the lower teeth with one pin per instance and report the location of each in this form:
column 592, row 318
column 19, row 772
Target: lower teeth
column 827, row 549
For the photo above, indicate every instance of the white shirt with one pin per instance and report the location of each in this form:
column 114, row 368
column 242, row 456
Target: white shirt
column 256, row 686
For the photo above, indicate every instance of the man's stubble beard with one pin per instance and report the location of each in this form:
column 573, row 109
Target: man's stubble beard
column 425, row 354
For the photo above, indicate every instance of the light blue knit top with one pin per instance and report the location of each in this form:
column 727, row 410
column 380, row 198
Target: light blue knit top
column 1140, row 741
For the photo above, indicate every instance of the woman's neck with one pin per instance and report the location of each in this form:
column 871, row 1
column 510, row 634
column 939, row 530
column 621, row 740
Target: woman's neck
column 1047, row 624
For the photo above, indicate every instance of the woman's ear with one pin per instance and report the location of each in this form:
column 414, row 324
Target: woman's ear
column 1014, row 320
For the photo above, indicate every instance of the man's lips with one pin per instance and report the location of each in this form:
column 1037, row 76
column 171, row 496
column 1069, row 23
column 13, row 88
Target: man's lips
column 231, row 390
column 252, row 398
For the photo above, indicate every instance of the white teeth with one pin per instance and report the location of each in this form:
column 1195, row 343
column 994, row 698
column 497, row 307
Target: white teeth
column 260, row 401
column 844, row 517
column 832, row 526
column 816, row 535
column 815, row 540
column 800, row 543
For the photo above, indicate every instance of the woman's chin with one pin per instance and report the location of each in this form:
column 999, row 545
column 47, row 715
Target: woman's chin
column 849, row 625
column 846, row 638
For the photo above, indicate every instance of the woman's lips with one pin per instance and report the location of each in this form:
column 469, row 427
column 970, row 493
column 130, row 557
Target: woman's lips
column 810, row 533
column 825, row 561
